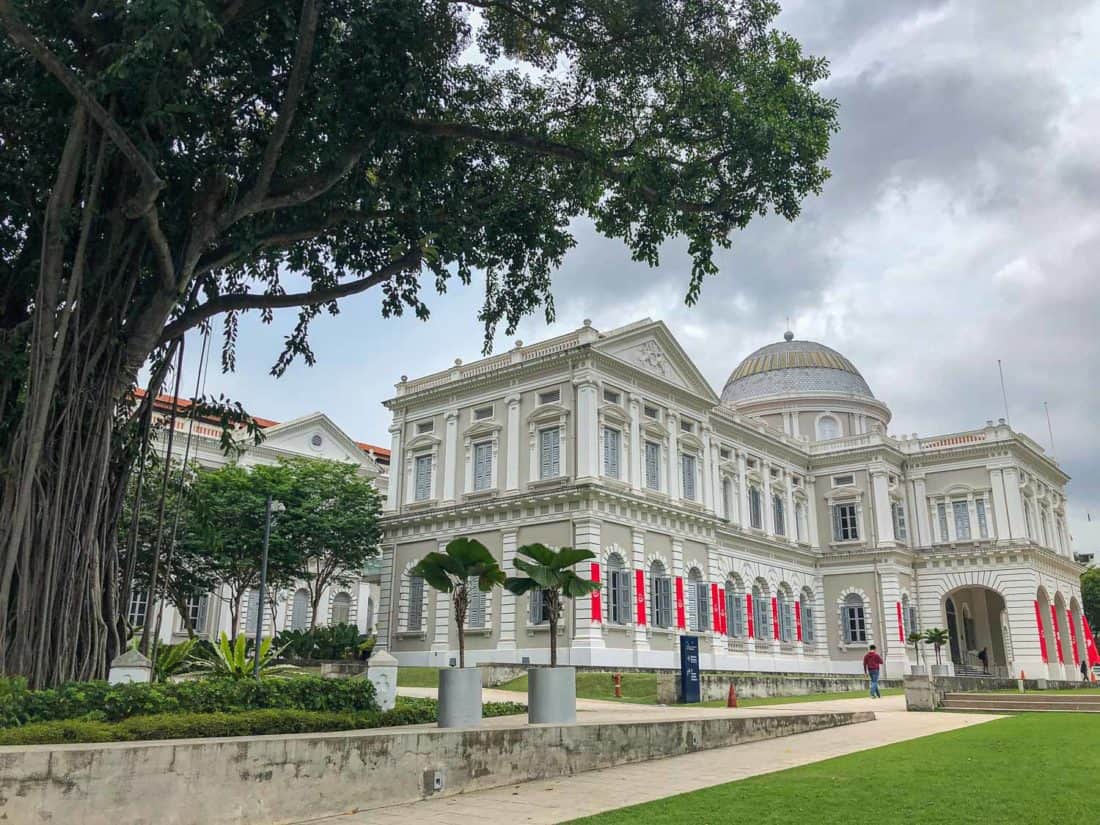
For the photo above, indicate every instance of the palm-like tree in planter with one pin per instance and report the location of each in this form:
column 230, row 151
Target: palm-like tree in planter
column 915, row 638
column 937, row 637
column 451, row 572
column 552, row 573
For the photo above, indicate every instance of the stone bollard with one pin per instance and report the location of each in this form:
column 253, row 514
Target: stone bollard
column 130, row 666
column 382, row 673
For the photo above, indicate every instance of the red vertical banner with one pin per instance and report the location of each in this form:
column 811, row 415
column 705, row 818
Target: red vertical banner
column 715, row 619
column 723, row 626
column 680, row 618
column 798, row 621
column 596, row 597
column 1057, row 634
column 775, row 618
column 639, row 595
column 901, row 624
column 1090, row 643
column 1073, row 637
column 1042, row 635
column 748, row 615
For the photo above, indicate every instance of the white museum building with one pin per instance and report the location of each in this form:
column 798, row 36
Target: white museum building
column 779, row 522
column 198, row 441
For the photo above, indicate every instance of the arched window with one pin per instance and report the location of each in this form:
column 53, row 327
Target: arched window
column 761, row 611
column 414, row 604
column 735, row 607
column 698, row 601
column 785, row 609
column 660, row 595
column 756, row 508
column 299, row 610
column 341, row 608
column 806, row 608
column 618, row 590
column 475, row 605
column 827, row 427
column 854, row 619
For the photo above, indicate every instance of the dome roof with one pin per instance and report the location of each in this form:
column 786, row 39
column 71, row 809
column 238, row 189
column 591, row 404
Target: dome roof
column 794, row 368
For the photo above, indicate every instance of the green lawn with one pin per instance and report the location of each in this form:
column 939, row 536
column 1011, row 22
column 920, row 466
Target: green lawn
column 418, row 677
column 1033, row 768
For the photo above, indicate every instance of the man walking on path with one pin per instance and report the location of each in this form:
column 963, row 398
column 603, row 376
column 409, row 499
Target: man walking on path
column 872, row 663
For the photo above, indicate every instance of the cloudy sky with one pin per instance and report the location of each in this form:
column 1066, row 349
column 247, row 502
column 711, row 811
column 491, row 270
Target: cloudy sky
column 961, row 226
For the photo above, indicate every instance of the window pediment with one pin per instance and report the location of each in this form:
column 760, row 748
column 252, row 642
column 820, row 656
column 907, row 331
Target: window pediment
column 844, row 494
column 614, row 412
column 423, row 442
column 654, row 430
column 482, row 428
column 547, row 412
column 691, row 441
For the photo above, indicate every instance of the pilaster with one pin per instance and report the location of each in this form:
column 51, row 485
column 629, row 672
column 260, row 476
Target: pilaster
column 507, row 640
column 641, row 636
column 511, row 469
column 884, row 522
column 589, row 629
column 636, row 462
column 1017, row 525
column 588, row 431
column 394, row 485
column 450, row 455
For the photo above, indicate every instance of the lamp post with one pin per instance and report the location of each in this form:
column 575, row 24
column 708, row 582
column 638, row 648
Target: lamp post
column 272, row 507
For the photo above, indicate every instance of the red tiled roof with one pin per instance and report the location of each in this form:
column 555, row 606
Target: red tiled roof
column 164, row 402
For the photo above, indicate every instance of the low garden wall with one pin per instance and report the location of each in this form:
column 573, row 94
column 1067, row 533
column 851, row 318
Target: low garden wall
column 266, row 780
column 927, row 692
column 716, row 685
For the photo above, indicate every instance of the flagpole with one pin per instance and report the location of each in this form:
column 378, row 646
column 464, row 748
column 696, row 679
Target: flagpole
column 1004, row 394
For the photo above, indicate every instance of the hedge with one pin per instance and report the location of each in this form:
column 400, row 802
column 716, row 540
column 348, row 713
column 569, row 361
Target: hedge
column 246, row 723
column 103, row 702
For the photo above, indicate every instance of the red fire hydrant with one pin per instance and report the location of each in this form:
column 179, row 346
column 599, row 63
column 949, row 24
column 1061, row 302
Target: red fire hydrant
column 617, row 679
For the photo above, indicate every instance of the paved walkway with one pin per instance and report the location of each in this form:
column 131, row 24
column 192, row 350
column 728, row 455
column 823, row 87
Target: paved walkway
column 559, row 800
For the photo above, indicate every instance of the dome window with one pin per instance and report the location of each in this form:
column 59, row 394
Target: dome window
column 827, row 427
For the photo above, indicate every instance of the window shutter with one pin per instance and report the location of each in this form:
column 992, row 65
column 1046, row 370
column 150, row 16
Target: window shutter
column 652, row 465
column 423, row 489
column 483, row 465
column 475, row 612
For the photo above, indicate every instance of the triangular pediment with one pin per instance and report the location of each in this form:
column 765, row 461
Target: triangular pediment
column 316, row 436
column 652, row 348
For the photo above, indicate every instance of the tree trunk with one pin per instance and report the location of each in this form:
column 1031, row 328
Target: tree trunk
column 555, row 609
column 461, row 602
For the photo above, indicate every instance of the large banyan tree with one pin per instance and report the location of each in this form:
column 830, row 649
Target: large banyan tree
column 171, row 164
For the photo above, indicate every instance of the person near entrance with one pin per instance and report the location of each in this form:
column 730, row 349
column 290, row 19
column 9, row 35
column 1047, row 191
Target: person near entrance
column 1084, row 670
column 983, row 657
column 872, row 666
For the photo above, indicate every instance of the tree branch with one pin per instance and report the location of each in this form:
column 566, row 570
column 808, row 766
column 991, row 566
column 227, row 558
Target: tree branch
column 24, row 38
column 303, row 56
column 248, row 300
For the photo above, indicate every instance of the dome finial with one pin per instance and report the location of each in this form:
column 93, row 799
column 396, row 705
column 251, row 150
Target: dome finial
column 788, row 336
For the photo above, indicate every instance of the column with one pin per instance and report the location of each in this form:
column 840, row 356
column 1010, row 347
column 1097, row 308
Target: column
column 742, row 491
column 792, row 516
column 679, row 607
column 589, row 629
column 920, row 507
column 716, row 493
column 507, row 640
column 641, row 636
column 450, row 455
column 588, row 434
column 673, row 423
column 511, row 461
column 636, row 451
column 884, row 522
column 708, row 472
column 1000, row 505
column 441, row 644
column 811, row 506
column 393, row 485
column 1014, row 503
column 769, row 514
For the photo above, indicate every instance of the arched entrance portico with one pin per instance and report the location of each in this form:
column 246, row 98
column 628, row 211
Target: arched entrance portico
column 975, row 621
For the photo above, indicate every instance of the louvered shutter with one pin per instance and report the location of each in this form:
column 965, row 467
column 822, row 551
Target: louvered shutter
column 416, row 604
column 423, row 488
column 549, row 447
column 611, row 452
column 483, row 465
column 475, row 610
column 652, row 465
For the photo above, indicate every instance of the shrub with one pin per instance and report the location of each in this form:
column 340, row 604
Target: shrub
column 338, row 641
column 100, row 701
column 246, row 723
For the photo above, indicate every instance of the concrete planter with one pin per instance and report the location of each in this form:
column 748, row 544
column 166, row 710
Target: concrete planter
column 918, row 670
column 941, row 670
column 552, row 695
column 459, row 697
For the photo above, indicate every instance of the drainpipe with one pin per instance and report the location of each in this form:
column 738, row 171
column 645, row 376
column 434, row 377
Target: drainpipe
column 882, row 608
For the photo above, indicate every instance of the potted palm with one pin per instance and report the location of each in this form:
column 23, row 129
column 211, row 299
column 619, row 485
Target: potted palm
column 937, row 637
column 464, row 563
column 915, row 638
column 551, row 691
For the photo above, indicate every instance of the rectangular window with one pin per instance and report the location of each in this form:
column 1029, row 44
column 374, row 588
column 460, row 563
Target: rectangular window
column 618, row 596
column 724, row 453
column 416, row 604
column 687, row 472
column 549, row 452
column 807, row 622
column 699, row 606
column 612, row 443
column 136, row 613
column 612, row 397
column 662, row 601
column 961, row 512
column 482, row 413
column 653, row 465
column 422, row 482
column 540, row 608
column 475, row 609
column 983, row 523
column 845, row 527
column 899, row 519
column 844, row 481
column 855, row 624
column 550, row 397
column 687, row 426
column 756, row 511
column 941, row 516
column 483, row 465
column 196, row 613
column 735, row 612
column 425, row 427
column 778, row 514
column 650, row 412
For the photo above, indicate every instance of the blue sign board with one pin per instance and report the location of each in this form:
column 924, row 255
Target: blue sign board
column 689, row 669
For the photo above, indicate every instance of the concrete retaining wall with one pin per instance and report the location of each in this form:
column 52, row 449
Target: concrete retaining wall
column 713, row 686
column 265, row 780
column 926, row 693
